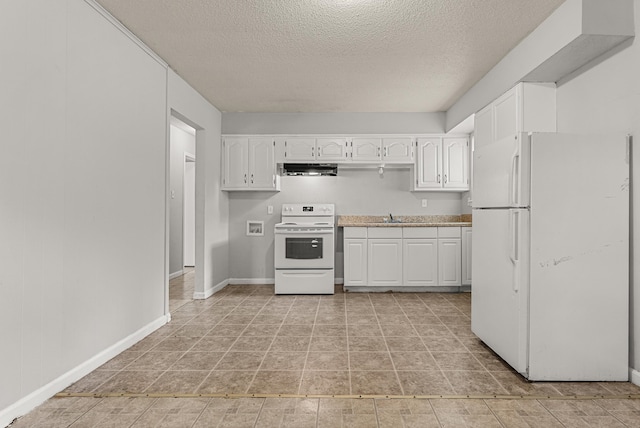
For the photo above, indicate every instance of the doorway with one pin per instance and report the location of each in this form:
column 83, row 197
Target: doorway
column 182, row 212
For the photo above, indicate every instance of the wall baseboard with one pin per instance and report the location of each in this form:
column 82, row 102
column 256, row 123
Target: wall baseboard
column 39, row 396
column 634, row 376
column 252, row 281
column 210, row 291
column 176, row 274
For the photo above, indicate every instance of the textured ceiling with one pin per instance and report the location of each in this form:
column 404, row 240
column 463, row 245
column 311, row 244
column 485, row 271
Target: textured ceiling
column 331, row 55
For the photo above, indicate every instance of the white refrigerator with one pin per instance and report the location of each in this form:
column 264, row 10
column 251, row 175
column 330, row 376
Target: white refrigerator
column 550, row 261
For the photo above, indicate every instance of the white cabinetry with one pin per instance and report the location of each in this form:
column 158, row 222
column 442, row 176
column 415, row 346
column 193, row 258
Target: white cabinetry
column 355, row 256
column 449, row 256
column 442, row 164
column 420, row 256
column 331, row 149
column 527, row 107
column 249, row 164
column 397, row 150
column 299, row 149
column 466, row 255
column 384, row 257
column 404, row 257
column 365, row 149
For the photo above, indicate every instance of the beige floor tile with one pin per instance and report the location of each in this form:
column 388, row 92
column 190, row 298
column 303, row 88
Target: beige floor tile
column 398, row 330
column 444, row 344
column 131, row 381
column 194, row 360
column 230, row 330
column 174, row 343
column 370, row 361
column 276, row 382
column 469, row 382
column 241, row 361
column 213, row 344
column 92, row 381
column 428, row 382
column 457, row 361
column 364, row 330
column 295, row 330
column 155, row 360
column 367, row 343
column 405, row 344
column 328, row 344
column 290, row 344
column 330, row 318
column 252, row 343
column 177, row 382
column 375, row 382
column 330, row 330
column 284, row 361
column 327, row 361
column 413, row 361
column 232, row 382
column 325, row 382
column 265, row 330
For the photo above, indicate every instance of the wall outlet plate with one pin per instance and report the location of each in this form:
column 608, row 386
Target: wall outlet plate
column 424, row 203
column 270, row 209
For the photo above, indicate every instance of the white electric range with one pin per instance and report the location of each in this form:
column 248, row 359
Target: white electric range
column 304, row 249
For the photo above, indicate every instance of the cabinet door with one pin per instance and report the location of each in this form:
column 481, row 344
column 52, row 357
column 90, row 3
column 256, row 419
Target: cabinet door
column 366, row 149
column 483, row 127
column 506, row 114
column 299, row 149
column 331, row 149
column 236, row 163
column 397, row 150
column 449, row 262
column 466, row 255
column 355, row 262
column 455, row 159
column 428, row 167
column 420, row 262
column 262, row 163
column 384, row 262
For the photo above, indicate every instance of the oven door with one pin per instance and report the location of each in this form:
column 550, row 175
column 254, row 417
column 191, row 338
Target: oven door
column 304, row 249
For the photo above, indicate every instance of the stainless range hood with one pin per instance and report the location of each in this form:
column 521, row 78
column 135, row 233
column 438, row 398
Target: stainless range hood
column 317, row 169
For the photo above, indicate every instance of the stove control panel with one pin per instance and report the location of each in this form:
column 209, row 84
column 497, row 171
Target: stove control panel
column 308, row 209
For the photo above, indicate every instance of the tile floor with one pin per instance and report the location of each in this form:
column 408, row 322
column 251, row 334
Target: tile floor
column 322, row 352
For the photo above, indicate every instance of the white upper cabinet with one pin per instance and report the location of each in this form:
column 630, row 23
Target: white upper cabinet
column 397, row 150
column 299, row 149
column 455, row 163
column 366, row 149
column 249, row 164
column 527, row 107
column 429, row 163
column 331, row 149
column 442, row 164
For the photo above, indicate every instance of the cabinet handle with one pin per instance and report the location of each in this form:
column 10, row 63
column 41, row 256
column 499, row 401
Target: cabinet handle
column 438, row 178
column 245, row 179
column 378, row 151
column 311, row 151
column 251, row 178
column 445, row 179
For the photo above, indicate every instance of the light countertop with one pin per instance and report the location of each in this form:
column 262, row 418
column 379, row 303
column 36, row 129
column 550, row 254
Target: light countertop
column 405, row 221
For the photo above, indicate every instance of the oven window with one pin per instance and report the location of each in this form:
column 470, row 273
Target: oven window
column 303, row 248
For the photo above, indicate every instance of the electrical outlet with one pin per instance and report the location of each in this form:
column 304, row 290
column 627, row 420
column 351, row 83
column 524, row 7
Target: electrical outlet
column 424, row 203
column 270, row 209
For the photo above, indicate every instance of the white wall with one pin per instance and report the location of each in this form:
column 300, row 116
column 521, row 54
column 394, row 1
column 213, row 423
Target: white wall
column 180, row 142
column 332, row 123
column 212, row 205
column 605, row 97
column 82, row 179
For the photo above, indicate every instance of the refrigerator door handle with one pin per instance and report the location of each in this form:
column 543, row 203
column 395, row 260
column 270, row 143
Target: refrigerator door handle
column 514, row 197
column 514, row 221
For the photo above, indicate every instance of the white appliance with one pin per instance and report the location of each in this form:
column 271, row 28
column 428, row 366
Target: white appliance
column 304, row 249
column 551, row 254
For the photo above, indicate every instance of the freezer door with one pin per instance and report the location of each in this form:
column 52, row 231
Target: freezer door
column 501, row 173
column 499, row 299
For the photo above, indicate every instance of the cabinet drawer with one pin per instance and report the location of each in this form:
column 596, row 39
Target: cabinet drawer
column 449, row 232
column 419, row 232
column 384, row 232
column 355, row 232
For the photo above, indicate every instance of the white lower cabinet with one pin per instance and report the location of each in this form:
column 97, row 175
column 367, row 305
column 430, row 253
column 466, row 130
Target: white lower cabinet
column 384, row 257
column 404, row 256
column 355, row 256
column 466, row 255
